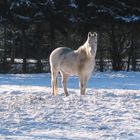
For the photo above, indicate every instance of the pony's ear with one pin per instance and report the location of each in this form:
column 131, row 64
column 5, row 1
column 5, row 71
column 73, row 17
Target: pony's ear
column 89, row 34
column 94, row 34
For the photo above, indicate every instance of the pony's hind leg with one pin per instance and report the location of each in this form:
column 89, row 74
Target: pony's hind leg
column 64, row 82
column 54, row 74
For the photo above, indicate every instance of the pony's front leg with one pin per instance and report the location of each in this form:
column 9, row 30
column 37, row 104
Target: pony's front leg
column 83, row 82
column 54, row 83
column 64, row 82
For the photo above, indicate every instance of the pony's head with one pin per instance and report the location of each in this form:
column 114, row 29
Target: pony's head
column 92, row 41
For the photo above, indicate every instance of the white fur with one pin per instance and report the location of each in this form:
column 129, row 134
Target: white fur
column 80, row 62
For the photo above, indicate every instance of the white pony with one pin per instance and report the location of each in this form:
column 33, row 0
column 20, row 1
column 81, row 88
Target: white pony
column 80, row 62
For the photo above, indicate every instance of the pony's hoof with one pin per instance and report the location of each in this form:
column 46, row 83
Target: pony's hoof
column 66, row 95
column 54, row 94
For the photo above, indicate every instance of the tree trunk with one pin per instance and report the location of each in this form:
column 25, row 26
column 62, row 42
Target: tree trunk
column 100, row 48
column 116, row 49
column 129, row 59
column 12, row 54
column 24, row 66
column 113, row 49
column 5, row 44
column 4, row 59
column 52, row 35
column 133, row 51
column 38, row 37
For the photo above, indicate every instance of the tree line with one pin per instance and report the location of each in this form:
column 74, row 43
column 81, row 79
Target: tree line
column 31, row 29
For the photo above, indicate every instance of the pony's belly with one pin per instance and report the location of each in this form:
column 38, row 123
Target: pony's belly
column 70, row 70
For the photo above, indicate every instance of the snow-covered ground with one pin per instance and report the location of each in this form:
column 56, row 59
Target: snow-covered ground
column 109, row 111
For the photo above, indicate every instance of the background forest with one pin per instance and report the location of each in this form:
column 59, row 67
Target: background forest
column 31, row 29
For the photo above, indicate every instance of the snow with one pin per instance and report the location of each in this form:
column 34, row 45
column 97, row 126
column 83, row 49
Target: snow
column 128, row 19
column 73, row 4
column 25, row 18
column 109, row 110
column 19, row 3
column 72, row 19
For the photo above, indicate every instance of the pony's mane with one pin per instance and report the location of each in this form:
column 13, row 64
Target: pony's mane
column 85, row 50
